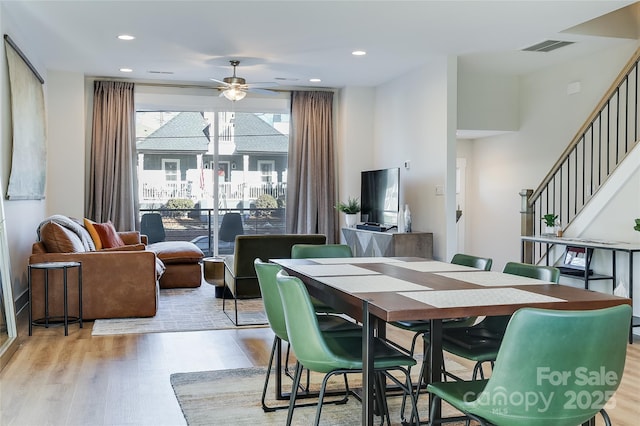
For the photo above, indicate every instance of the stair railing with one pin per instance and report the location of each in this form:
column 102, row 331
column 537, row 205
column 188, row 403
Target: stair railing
column 601, row 144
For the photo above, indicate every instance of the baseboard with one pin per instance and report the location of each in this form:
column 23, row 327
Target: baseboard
column 21, row 302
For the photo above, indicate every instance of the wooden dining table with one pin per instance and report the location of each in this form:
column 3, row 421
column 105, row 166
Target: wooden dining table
column 378, row 290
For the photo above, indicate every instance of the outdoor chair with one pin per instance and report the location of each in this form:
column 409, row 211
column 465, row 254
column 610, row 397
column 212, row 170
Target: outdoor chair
column 151, row 225
column 230, row 227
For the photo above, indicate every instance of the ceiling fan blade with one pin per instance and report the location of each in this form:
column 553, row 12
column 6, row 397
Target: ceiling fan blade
column 262, row 91
column 220, row 81
column 263, row 84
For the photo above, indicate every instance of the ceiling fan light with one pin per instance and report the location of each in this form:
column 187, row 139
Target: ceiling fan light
column 234, row 94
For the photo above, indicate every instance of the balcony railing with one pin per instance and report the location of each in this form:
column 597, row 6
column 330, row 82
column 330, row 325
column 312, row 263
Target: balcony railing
column 229, row 193
column 197, row 225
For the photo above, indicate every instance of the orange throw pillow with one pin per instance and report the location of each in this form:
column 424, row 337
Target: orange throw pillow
column 108, row 235
column 89, row 226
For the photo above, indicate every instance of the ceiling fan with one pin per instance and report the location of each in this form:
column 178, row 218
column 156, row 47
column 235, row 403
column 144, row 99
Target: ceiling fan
column 235, row 88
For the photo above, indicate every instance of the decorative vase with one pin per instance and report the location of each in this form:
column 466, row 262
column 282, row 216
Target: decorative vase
column 351, row 219
column 407, row 218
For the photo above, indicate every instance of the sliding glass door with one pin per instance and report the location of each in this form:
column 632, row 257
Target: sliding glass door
column 212, row 175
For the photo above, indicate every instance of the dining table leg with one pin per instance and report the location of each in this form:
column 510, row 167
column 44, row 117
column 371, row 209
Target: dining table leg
column 368, row 329
column 436, row 362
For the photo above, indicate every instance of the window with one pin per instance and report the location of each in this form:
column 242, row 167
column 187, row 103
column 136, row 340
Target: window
column 266, row 169
column 217, row 162
column 171, row 169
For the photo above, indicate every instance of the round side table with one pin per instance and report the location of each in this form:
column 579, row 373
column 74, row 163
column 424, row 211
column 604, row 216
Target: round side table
column 49, row 320
column 214, row 273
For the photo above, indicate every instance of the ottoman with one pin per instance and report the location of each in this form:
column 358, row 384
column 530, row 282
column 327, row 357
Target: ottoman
column 182, row 261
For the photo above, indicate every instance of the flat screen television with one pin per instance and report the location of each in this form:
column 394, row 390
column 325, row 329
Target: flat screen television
column 379, row 196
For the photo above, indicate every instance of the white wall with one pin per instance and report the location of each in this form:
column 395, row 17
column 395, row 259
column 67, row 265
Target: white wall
column 66, row 144
column 505, row 164
column 413, row 122
column 487, row 101
column 354, row 141
column 22, row 217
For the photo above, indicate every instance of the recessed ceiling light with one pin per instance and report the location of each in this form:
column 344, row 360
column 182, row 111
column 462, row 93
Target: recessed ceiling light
column 126, row 37
column 358, row 53
column 126, row 70
column 315, row 80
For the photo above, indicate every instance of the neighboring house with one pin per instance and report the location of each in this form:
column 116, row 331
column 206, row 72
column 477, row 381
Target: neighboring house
column 165, row 155
column 176, row 160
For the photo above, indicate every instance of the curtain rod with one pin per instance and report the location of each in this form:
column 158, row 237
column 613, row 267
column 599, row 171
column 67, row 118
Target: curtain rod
column 24, row 58
column 200, row 86
column 315, row 89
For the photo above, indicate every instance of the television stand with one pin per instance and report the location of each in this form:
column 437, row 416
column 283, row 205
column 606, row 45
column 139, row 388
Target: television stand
column 372, row 227
column 373, row 243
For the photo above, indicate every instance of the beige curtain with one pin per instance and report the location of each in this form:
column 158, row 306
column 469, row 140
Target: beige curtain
column 112, row 194
column 310, row 175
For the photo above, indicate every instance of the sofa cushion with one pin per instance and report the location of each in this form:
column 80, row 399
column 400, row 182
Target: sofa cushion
column 172, row 252
column 126, row 247
column 95, row 237
column 58, row 239
column 108, row 235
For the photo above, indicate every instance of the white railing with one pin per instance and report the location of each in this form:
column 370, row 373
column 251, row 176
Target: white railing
column 154, row 190
column 165, row 191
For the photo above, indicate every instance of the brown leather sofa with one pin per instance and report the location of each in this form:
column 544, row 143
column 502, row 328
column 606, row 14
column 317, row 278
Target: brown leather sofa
column 115, row 283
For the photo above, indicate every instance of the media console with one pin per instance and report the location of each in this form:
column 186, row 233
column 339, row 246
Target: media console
column 372, row 227
column 365, row 242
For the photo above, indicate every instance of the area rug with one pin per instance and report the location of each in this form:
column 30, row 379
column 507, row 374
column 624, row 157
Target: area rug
column 185, row 309
column 232, row 397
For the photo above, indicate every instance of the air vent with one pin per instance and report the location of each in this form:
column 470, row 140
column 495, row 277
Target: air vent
column 547, row 46
column 160, row 72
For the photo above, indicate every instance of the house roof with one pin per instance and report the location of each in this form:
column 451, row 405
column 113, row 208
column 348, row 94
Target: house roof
column 254, row 135
column 185, row 132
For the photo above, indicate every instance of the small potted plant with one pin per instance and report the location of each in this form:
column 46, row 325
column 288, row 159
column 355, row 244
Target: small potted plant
column 637, row 227
column 549, row 220
column 350, row 209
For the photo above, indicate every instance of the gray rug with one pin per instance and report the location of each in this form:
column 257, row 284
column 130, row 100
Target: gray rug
column 232, row 397
column 185, row 309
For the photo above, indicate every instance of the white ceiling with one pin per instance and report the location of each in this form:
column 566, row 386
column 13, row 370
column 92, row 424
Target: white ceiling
column 299, row 40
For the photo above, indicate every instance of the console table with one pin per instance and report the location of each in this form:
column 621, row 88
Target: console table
column 365, row 243
column 589, row 244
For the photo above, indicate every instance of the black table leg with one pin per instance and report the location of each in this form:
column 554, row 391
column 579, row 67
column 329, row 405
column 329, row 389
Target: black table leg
column 436, row 362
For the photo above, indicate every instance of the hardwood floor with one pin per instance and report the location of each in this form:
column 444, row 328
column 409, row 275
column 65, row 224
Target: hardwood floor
column 124, row 380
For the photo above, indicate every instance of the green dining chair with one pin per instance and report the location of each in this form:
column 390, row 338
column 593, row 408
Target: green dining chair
column 266, row 273
column 421, row 327
column 333, row 354
column 306, row 251
column 480, row 342
column 553, row 368
column 483, row 263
